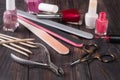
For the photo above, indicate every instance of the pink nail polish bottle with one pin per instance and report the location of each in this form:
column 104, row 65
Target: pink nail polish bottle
column 101, row 24
column 10, row 16
column 32, row 6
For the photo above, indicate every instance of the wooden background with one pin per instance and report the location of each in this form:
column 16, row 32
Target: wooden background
column 9, row 70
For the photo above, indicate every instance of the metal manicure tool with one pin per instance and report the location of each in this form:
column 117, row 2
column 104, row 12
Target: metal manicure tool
column 48, row 64
column 91, row 55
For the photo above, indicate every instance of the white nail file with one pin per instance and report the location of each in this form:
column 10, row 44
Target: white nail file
column 56, row 45
column 56, row 25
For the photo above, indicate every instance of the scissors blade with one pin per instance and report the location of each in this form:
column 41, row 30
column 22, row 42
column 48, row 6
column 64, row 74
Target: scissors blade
column 82, row 59
column 75, row 62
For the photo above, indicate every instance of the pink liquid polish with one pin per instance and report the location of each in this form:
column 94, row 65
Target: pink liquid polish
column 32, row 6
column 10, row 16
column 101, row 24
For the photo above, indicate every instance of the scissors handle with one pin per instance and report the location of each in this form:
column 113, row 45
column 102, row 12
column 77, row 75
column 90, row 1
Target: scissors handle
column 105, row 58
column 90, row 48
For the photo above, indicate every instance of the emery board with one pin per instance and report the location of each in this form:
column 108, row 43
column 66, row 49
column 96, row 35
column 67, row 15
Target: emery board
column 66, row 37
column 52, row 42
column 56, row 25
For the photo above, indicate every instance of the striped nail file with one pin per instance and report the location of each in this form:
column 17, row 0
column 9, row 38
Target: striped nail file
column 56, row 25
column 56, row 33
column 56, row 45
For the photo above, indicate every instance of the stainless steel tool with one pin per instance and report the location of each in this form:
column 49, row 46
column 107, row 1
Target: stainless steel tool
column 59, row 71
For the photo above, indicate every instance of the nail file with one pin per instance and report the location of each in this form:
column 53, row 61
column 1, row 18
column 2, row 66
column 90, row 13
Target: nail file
column 56, row 33
column 56, row 25
column 56, row 45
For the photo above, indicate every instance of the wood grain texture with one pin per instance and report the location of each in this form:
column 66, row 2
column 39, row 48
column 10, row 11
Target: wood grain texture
column 96, row 70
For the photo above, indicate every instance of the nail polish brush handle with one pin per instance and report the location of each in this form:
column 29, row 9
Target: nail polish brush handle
column 112, row 39
column 49, row 16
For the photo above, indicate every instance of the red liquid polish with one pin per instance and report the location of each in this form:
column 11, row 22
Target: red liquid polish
column 101, row 24
column 70, row 15
column 10, row 16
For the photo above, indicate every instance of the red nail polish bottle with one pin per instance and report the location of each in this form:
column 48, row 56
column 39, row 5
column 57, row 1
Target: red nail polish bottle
column 101, row 24
column 68, row 15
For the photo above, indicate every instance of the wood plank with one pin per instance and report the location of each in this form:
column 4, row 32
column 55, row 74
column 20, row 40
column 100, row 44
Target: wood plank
column 9, row 70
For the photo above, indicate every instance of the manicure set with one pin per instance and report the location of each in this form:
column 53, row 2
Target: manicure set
column 39, row 21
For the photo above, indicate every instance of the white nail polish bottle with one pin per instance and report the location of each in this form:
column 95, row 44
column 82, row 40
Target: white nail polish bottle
column 91, row 15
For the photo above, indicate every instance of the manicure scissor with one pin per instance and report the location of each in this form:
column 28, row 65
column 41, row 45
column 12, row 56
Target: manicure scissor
column 58, row 70
column 90, row 54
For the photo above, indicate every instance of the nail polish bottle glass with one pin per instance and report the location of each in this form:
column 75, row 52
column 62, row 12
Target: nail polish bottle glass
column 101, row 24
column 10, row 16
column 32, row 6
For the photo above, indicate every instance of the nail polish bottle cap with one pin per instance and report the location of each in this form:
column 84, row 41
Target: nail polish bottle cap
column 102, row 16
column 91, row 15
column 48, row 7
column 10, row 4
column 92, row 7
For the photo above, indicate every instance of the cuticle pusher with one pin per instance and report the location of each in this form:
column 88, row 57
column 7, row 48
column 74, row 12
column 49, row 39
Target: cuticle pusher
column 28, row 43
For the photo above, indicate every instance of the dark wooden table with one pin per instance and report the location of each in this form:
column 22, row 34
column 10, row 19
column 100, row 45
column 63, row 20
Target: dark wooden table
column 9, row 70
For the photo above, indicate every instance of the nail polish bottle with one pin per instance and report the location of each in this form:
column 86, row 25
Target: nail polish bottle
column 101, row 24
column 91, row 15
column 10, row 16
column 68, row 15
column 32, row 6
